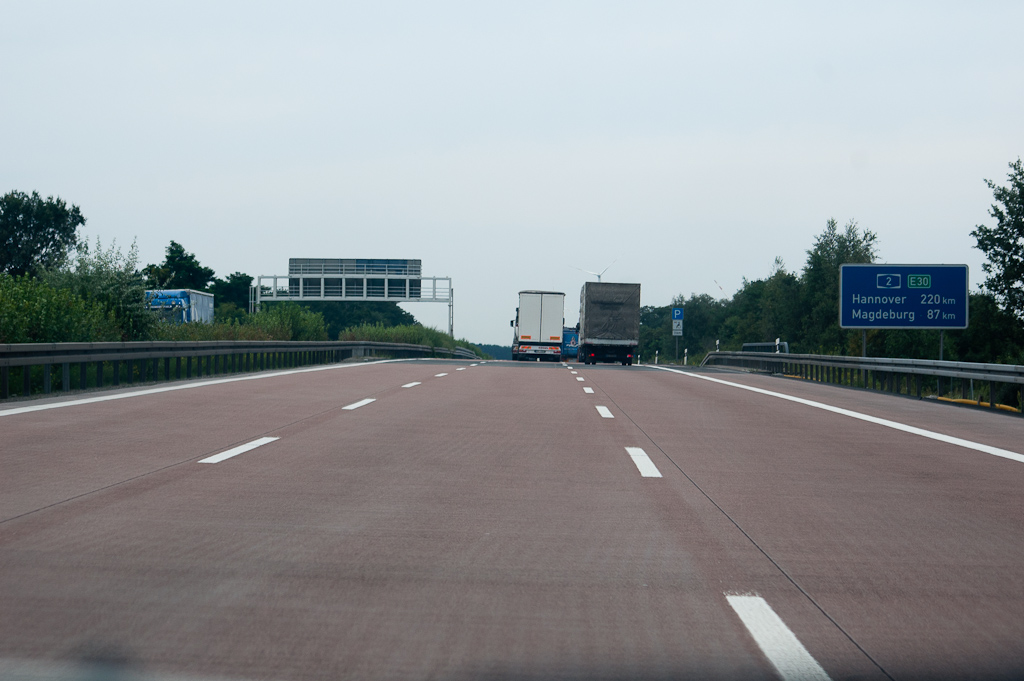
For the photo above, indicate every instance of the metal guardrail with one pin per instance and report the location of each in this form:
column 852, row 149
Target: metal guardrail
column 102, row 364
column 883, row 373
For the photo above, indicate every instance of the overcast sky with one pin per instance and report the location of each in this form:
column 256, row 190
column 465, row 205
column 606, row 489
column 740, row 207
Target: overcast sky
column 505, row 144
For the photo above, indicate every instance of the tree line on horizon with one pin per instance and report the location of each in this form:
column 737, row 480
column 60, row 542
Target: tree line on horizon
column 803, row 308
column 54, row 288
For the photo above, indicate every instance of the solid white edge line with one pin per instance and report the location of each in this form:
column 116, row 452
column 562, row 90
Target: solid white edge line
column 782, row 648
column 895, row 425
column 360, row 403
column 412, row 385
column 604, row 412
column 589, row 391
column 643, row 463
column 186, row 386
column 241, row 449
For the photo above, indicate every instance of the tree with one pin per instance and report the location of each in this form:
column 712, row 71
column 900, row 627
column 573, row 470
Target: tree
column 36, row 234
column 180, row 269
column 820, row 281
column 109, row 278
column 1003, row 245
column 233, row 290
column 341, row 315
column 703, row 320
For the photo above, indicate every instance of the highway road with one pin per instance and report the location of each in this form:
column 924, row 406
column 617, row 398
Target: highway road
column 430, row 519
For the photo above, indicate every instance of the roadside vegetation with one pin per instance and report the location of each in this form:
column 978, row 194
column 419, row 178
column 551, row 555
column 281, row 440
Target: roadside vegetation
column 416, row 334
column 802, row 307
column 56, row 288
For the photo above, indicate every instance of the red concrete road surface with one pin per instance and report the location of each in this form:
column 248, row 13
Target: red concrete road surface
column 491, row 523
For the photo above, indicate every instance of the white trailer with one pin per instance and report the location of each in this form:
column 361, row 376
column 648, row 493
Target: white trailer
column 537, row 328
column 181, row 306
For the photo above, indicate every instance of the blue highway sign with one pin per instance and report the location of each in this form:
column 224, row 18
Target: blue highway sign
column 677, row 313
column 903, row 296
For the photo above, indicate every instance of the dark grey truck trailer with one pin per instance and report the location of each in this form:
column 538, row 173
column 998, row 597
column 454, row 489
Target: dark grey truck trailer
column 609, row 322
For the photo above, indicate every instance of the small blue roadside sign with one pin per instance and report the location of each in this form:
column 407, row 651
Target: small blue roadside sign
column 677, row 323
column 903, row 296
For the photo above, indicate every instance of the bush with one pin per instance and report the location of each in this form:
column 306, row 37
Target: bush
column 32, row 311
column 109, row 279
column 281, row 322
column 415, row 334
column 289, row 321
column 219, row 331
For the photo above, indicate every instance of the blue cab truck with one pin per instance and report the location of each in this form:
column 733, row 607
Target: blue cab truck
column 570, row 342
column 180, row 306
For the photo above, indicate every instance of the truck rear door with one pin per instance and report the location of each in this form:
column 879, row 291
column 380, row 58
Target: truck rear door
column 552, row 316
column 529, row 317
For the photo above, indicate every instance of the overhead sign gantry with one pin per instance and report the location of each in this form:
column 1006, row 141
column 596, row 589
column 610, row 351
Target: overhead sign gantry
column 353, row 280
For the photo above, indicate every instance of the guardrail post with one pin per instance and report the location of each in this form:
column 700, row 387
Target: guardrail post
column 5, row 382
column 117, row 372
column 83, row 375
column 65, row 377
column 26, row 381
column 991, row 395
column 46, row 377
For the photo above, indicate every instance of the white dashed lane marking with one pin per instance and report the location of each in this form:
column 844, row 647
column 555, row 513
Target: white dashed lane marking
column 241, row 449
column 589, row 391
column 411, row 385
column 782, row 648
column 604, row 412
column 360, row 403
column 643, row 463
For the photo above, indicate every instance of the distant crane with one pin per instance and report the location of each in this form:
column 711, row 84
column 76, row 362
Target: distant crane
column 597, row 274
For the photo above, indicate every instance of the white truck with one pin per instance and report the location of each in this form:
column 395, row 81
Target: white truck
column 537, row 328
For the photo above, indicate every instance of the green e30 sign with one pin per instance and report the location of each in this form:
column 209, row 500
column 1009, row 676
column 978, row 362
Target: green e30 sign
column 919, row 281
